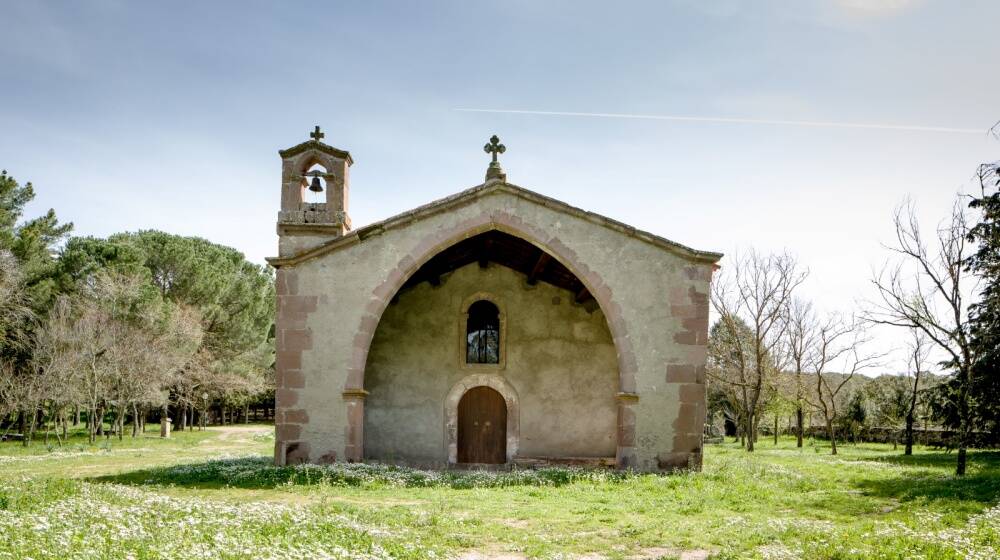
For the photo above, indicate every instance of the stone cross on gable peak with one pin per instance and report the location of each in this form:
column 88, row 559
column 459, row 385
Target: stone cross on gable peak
column 494, row 147
column 316, row 135
column 494, row 171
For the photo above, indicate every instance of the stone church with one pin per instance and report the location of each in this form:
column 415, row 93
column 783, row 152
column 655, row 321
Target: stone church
column 496, row 326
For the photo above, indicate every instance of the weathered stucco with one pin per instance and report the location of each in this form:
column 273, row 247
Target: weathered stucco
column 560, row 363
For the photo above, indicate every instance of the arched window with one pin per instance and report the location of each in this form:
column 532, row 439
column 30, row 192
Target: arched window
column 483, row 334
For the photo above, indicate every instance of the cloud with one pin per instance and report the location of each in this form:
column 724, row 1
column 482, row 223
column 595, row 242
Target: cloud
column 732, row 120
column 875, row 8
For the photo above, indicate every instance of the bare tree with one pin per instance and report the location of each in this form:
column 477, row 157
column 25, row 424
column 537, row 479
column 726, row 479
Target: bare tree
column 15, row 315
column 104, row 347
column 919, row 352
column 927, row 289
column 753, row 297
column 835, row 342
column 799, row 344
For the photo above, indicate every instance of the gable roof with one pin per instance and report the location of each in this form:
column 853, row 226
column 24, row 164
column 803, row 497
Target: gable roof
column 318, row 146
column 469, row 195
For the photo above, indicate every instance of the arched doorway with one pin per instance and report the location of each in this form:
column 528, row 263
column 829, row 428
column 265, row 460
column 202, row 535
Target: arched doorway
column 482, row 427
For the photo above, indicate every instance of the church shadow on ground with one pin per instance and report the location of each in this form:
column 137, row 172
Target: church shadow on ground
column 933, row 479
column 208, row 474
column 256, row 473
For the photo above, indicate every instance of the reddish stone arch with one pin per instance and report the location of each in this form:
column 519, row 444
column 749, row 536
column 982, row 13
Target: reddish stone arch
column 433, row 244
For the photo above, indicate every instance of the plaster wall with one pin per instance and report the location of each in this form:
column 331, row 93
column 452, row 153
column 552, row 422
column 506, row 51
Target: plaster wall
column 560, row 361
column 655, row 303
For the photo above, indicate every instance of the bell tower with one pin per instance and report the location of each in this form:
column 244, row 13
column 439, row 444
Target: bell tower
column 322, row 171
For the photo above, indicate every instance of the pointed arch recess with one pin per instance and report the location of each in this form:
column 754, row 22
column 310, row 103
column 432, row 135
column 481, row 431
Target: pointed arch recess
column 433, row 244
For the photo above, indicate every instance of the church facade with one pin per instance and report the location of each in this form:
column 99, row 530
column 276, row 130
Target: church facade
column 493, row 327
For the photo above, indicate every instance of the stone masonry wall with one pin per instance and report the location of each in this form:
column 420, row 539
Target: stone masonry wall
column 654, row 301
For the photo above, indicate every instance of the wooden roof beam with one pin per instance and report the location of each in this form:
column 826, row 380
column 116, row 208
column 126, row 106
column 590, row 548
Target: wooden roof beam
column 484, row 254
column 536, row 270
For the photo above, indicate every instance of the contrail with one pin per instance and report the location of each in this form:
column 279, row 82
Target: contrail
column 877, row 126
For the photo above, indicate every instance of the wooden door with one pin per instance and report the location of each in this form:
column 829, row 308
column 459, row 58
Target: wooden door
column 482, row 427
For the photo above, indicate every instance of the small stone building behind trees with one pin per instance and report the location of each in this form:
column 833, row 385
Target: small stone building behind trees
column 495, row 326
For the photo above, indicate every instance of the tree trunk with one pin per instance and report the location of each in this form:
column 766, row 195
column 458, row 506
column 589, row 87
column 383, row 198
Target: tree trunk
column 833, row 437
column 775, row 429
column 164, row 417
column 93, row 421
column 31, row 430
column 120, row 420
column 964, row 421
column 798, row 426
column 750, row 433
column 909, row 434
column 99, row 420
column 43, row 421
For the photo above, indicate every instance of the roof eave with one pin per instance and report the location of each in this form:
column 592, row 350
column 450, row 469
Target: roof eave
column 316, row 145
column 471, row 194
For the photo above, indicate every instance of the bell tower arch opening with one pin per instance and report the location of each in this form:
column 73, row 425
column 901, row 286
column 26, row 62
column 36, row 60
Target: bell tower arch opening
column 314, row 182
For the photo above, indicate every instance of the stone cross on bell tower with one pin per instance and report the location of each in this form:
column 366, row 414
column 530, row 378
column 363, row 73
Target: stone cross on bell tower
column 320, row 168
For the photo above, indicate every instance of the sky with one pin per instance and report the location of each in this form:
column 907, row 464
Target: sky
column 142, row 115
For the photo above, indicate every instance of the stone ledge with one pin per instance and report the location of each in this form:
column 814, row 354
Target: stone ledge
column 586, row 462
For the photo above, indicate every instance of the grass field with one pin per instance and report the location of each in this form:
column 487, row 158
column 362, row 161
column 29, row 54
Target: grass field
column 213, row 494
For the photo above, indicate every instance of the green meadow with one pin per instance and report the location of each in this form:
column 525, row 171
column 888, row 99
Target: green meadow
column 214, row 494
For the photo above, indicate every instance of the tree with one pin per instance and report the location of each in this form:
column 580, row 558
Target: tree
column 888, row 399
column 15, row 305
column 32, row 242
column 927, row 289
column 116, row 347
column 27, row 290
column 754, row 294
column 15, row 317
column 800, row 332
column 235, row 302
column 984, row 316
column 919, row 352
column 230, row 299
column 780, row 403
column 835, row 341
column 726, row 369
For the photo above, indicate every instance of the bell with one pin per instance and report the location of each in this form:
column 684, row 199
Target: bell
column 314, row 186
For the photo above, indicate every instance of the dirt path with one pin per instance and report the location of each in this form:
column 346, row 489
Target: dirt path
column 240, row 432
column 232, row 438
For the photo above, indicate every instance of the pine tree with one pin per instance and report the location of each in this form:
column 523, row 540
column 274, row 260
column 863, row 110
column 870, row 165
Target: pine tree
column 985, row 314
